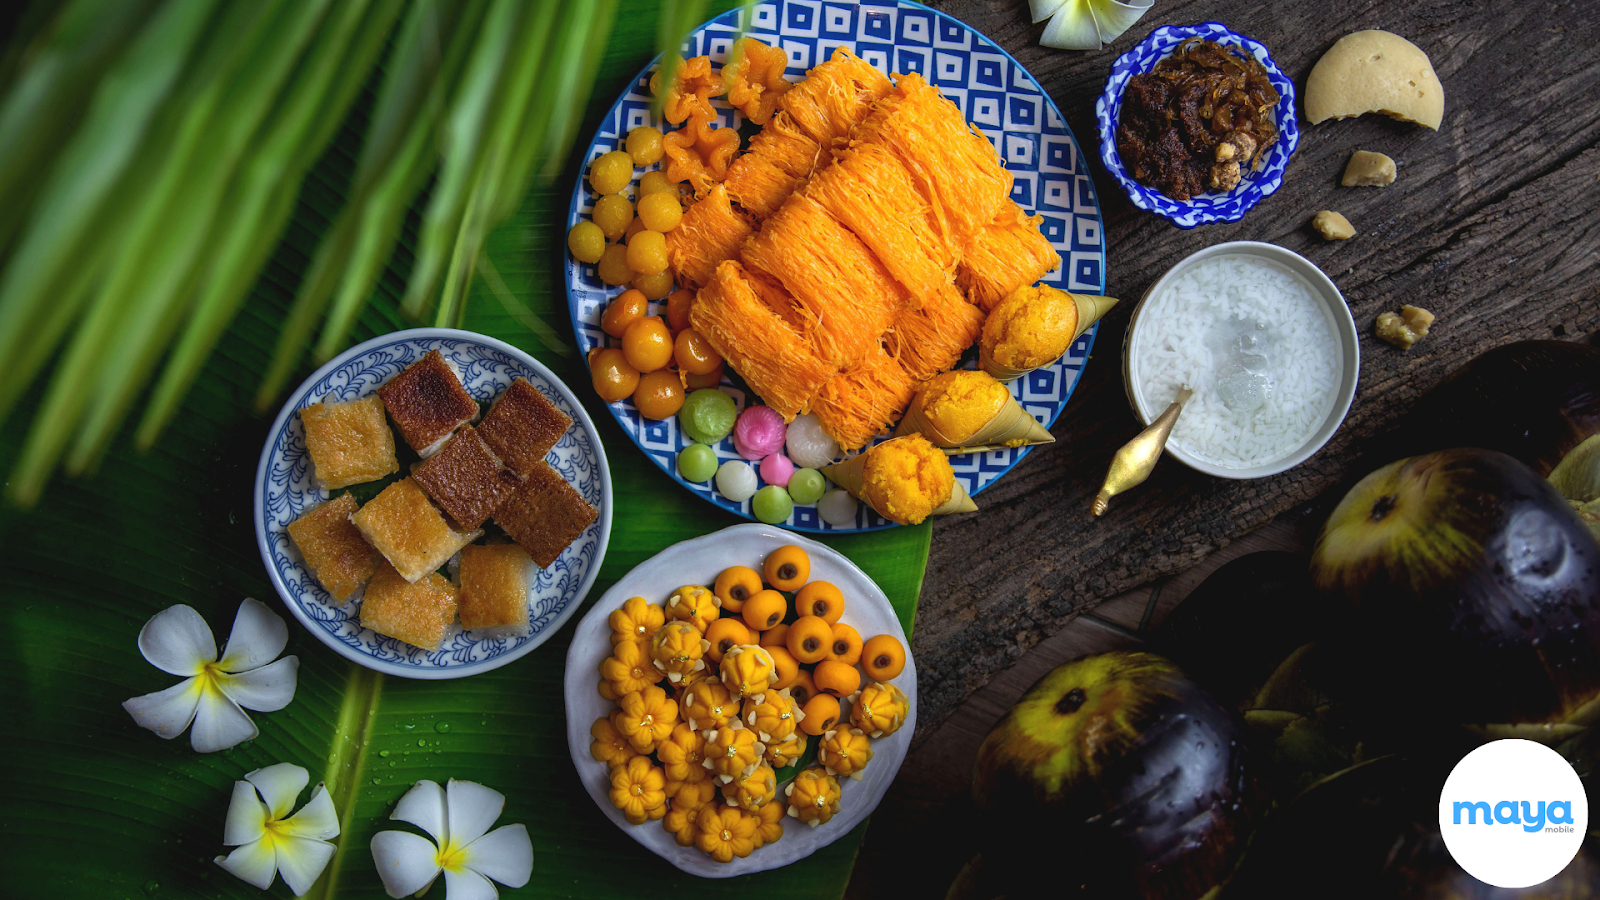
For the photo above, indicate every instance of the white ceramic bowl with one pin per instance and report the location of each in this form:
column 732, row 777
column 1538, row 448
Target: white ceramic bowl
column 698, row 561
column 1344, row 329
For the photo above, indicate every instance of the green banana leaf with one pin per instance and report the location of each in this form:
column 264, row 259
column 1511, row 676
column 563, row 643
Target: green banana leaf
column 94, row 806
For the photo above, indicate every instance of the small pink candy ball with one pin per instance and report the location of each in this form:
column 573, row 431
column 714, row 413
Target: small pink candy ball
column 759, row 433
column 777, row 469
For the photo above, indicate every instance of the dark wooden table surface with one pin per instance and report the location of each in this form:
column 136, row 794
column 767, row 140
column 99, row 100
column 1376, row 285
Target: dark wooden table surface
column 1493, row 224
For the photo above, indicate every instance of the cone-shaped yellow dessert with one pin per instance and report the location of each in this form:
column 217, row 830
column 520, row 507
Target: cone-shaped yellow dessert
column 970, row 410
column 1033, row 327
column 906, row 479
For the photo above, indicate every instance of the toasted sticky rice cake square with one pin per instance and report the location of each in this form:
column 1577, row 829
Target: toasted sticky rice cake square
column 522, row 426
column 349, row 443
column 428, row 402
column 409, row 530
column 418, row 613
column 339, row 557
column 545, row 515
column 494, row 589
column 466, row 478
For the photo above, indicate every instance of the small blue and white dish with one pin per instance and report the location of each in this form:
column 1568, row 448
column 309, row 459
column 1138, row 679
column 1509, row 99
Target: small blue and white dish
column 1205, row 208
column 285, row 488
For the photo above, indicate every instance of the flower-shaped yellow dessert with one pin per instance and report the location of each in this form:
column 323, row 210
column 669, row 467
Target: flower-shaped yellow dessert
column 678, row 649
column 691, row 90
column 732, row 751
column 755, row 81
column 969, row 408
column 628, row 669
column 813, row 796
column 687, row 799
column 638, row 789
column 772, row 715
column 683, row 755
column 880, row 709
column 726, row 832
column 906, row 479
column 748, row 670
column 783, row 753
column 845, row 751
column 709, row 704
column 693, row 604
column 699, row 152
column 752, row 790
column 647, row 718
column 636, row 620
column 610, row 746
column 681, row 825
column 770, row 827
column 1033, row 326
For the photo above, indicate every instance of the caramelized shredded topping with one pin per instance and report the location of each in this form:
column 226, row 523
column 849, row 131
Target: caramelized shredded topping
column 1176, row 117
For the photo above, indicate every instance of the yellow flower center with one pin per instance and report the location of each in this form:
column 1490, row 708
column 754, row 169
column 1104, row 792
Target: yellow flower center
column 640, row 629
column 451, row 857
column 727, row 835
column 638, row 790
column 638, row 672
column 648, row 719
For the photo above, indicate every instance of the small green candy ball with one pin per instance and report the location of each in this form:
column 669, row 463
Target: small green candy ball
column 806, row 486
column 772, row 505
column 707, row 415
column 697, row 463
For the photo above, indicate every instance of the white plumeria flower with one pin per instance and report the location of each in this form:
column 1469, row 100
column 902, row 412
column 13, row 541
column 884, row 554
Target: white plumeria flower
column 177, row 640
column 457, row 817
column 295, row 847
column 1086, row 24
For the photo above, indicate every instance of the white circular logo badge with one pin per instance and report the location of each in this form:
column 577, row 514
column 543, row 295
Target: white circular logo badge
column 1513, row 813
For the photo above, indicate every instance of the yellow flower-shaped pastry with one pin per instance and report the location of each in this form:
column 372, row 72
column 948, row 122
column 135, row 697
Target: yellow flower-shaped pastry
column 636, row 620
column 689, row 796
column 772, row 715
column 880, row 709
column 647, row 718
column 732, row 751
column 813, row 796
column 752, row 790
column 678, row 649
column 694, row 604
column 726, row 832
column 610, row 746
column 748, row 670
column 709, row 704
column 769, row 827
column 699, row 153
column 693, row 86
column 683, row 755
column 845, row 751
column 681, row 825
column 783, row 753
column 628, row 669
column 639, row 790
column 755, row 81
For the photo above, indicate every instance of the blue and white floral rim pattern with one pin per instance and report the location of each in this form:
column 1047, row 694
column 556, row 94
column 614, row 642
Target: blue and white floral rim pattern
column 1206, row 208
column 285, row 488
column 997, row 95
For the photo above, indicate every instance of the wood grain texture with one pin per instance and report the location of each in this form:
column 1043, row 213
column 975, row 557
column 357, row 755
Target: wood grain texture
column 1492, row 224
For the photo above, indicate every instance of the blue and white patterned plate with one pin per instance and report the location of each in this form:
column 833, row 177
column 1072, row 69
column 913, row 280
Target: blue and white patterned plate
column 997, row 95
column 285, row 489
column 1206, row 208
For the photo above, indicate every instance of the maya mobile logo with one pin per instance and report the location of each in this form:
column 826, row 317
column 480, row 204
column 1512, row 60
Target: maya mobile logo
column 1505, row 813
column 1527, row 841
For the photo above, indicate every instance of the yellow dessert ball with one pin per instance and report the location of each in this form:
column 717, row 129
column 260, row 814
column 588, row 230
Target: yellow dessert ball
column 612, row 213
column 660, row 211
column 613, row 268
column 655, row 183
column 587, row 242
column 611, row 172
column 644, row 145
column 647, row 253
column 654, row 287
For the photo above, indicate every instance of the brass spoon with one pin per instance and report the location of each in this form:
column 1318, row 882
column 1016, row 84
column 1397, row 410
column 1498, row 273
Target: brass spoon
column 1137, row 459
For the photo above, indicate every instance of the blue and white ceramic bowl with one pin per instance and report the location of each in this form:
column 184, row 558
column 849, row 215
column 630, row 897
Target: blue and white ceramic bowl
column 285, row 489
column 997, row 95
column 1205, row 208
